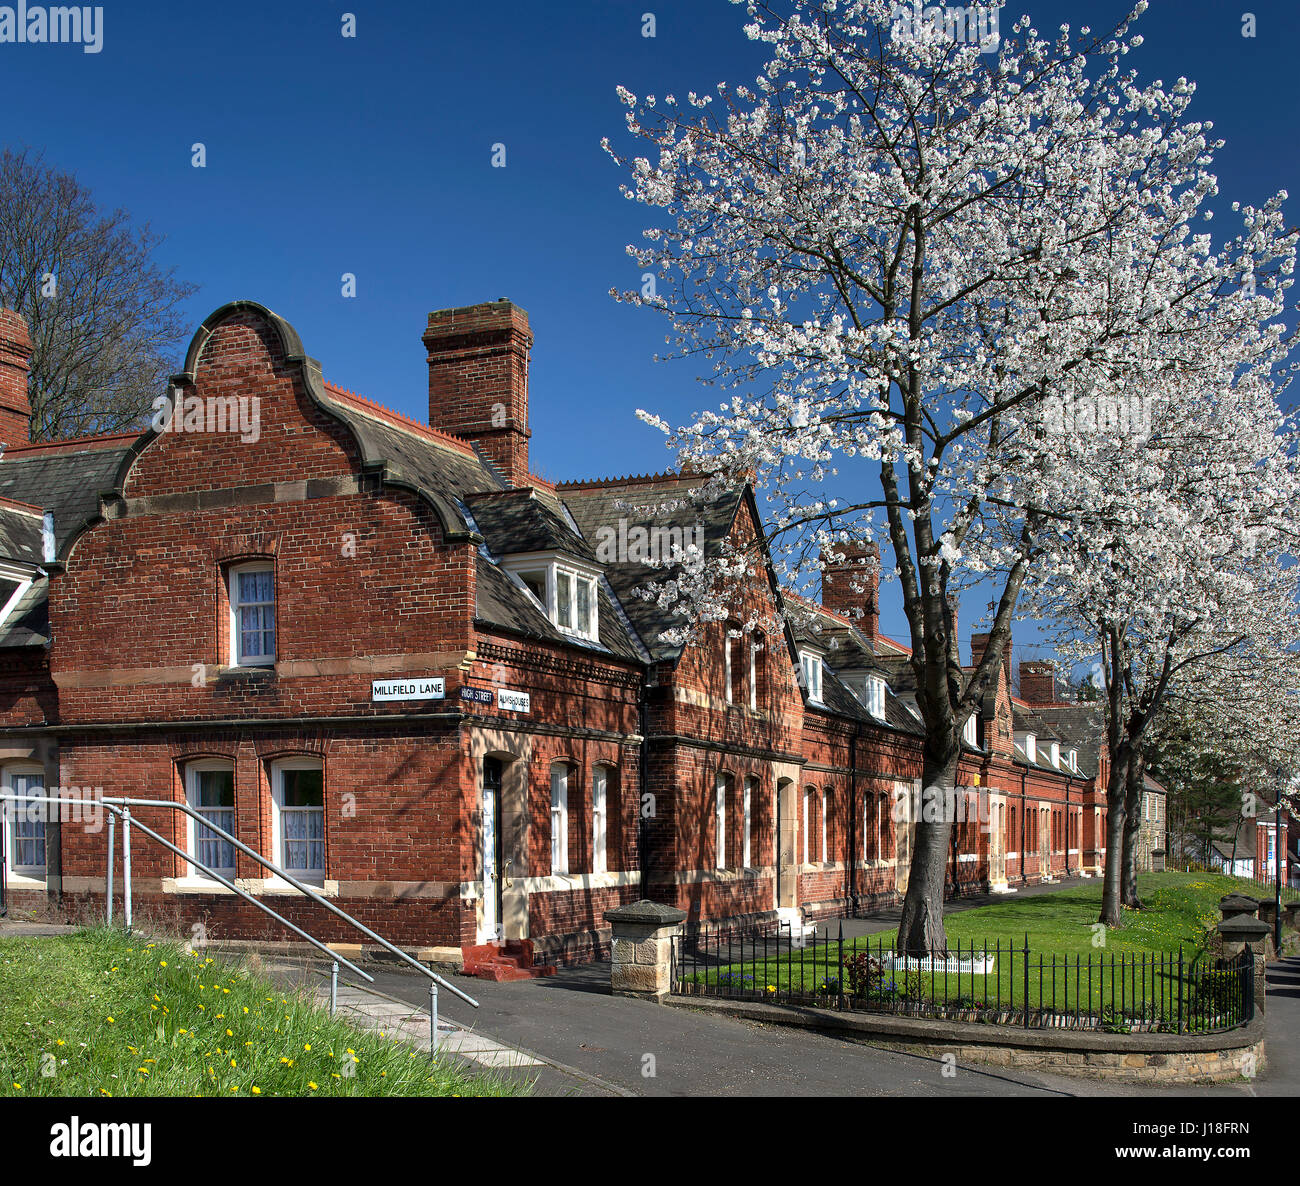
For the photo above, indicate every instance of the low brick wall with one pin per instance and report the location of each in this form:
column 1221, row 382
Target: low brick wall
column 1173, row 1059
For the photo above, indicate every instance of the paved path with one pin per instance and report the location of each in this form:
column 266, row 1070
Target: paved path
column 592, row 1043
column 10, row 927
column 589, row 1042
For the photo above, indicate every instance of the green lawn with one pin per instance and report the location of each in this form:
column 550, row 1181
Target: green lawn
column 1179, row 908
column 99, row 1013
column 1073, row 966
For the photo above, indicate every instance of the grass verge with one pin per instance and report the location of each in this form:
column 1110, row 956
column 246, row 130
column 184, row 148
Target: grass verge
column 100, row 1013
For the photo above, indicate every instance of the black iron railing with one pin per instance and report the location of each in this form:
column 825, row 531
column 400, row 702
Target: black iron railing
column 999, row 983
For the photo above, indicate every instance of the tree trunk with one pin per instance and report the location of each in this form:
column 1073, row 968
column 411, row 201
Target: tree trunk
column 1116, row 796
column 1132, row 825
column 921, row 930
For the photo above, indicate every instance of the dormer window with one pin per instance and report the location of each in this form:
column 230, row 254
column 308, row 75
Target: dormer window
column 1072, row 760
column 1056, row 754
column 565, row 593
column 810, row 672
column 969, row 732
column 1031, row 747
column 876, row 697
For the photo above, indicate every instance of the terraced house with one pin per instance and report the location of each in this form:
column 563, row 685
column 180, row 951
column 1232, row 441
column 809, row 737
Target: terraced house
column 405, row 669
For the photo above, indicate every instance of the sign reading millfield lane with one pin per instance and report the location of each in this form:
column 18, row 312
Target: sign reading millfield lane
column 513, row 701
column 407, row 689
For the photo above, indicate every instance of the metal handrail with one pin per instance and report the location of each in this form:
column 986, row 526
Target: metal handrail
column 128, row 803
column 121, row 806
column 210, row 872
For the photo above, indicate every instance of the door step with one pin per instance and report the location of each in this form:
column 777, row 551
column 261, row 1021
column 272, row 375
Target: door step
column 789, row 921
column 511, row 959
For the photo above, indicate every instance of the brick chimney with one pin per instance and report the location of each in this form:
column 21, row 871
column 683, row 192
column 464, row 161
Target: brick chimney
column 478, row 380
column 15, row 364
column 979, row 644
column 860, row 567
column 1037, row 682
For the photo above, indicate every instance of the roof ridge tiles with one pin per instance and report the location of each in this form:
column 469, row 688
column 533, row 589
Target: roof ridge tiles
column 400, row 419
column 71, row 444
column 25, row 507
column 625, row 480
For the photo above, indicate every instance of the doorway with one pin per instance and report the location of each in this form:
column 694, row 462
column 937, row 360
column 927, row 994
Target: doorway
column 493, row 913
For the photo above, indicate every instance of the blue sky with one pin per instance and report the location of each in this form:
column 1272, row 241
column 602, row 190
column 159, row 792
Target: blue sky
column 372, row 155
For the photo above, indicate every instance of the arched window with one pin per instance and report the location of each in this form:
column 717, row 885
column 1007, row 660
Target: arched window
column 600, row 782
column 25, row 820
column 720, row 821
column 559, row 818
column 298, row 817
column 210, row 790
column 747, row 822
column 808, row 797
column 826, row 815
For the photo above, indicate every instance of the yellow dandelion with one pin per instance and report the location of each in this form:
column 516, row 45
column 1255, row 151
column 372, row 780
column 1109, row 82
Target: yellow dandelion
column 307, row 1046
column 257, row 1091
column 108, row 1019
column 311, row 1085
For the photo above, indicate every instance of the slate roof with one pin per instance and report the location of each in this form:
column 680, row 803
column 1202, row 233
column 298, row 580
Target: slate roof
column 20, row 535
column 845, row 648
column 665, row 502
column 1080, row 726
column 503, row 604
column 67, row 479
column 28, row 624
column 64, row 478
column 518, row 521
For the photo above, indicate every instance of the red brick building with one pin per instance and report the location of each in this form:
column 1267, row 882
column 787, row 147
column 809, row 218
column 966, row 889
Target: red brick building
column 390, row 658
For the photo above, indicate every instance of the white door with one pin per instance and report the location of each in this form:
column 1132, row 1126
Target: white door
column 491, row 853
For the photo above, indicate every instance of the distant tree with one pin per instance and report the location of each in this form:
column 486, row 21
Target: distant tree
column 104, row 317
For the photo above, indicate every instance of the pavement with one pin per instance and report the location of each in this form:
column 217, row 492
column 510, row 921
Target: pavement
column 587, row 1042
